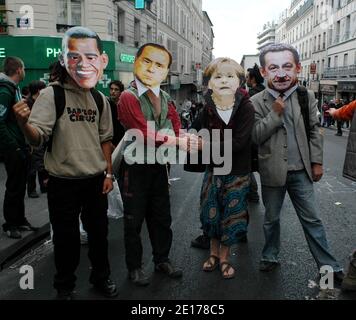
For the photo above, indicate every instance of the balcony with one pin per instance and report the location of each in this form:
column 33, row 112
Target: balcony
column 340, row 72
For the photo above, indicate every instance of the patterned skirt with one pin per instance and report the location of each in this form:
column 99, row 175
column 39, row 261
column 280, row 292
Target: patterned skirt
column 223, row 207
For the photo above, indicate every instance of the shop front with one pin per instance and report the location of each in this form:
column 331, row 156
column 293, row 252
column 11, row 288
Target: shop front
column 347, row 90
column 328, row 90
column 38, row 53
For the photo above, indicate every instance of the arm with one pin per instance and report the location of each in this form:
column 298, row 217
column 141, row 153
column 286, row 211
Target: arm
column 265, row 126
column 316, row 140
column 345, row 113
column 7, row 140
column 107, row 150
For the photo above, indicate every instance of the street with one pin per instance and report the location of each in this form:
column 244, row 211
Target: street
column 295, row 279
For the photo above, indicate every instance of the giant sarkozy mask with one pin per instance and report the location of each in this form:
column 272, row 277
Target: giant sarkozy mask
column 280, row 66
column 82, row 56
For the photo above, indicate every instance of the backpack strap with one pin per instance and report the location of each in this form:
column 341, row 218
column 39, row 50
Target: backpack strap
column 303, row 100
column 98, row 100
column 59, row 102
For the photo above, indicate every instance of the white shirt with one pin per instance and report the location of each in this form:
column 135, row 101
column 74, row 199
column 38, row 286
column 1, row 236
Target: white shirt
column 225, row 115
column 141, row 88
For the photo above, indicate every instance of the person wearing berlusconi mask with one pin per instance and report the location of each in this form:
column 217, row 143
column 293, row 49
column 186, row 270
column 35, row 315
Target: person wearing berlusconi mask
column 144, row 186
column 290, row 155
column 75, row 121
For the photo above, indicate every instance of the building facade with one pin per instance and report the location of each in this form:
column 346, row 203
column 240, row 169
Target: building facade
column 39, row 25
column 324, row 33
column 267, row 36
column 249, row 60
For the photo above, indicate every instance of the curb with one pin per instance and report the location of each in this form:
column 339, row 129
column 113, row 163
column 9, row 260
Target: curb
column 29, row 239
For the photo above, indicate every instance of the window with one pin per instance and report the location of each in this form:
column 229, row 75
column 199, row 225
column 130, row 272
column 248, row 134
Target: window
column 336, row 61
column 149, row 34
column 121, row 25
column 137, row 32
column 347, row 29
column 346, row 60
column 337, row 36
column 324, row 40
column 329, row 62
column 69, row 13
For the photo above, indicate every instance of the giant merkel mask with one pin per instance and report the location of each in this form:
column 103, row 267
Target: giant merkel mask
column 83, row 57
column 152, row 65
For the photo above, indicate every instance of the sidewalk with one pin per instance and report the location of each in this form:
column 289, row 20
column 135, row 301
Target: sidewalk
column 36, row 213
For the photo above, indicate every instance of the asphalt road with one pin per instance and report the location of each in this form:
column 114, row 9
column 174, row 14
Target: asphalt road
column 295, row 279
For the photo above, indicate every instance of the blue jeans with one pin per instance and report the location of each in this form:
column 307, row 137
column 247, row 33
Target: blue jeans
column 301, row 192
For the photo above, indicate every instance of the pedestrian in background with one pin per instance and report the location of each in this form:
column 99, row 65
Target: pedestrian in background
column 14, row 148
column 348, row 113
column 36, row 165
column 290, row 155
column 116, row 88
column 223, row 199
column 254, row 81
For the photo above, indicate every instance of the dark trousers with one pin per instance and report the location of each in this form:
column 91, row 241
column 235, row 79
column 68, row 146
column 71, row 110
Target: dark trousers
column 339, row 126
column 16, row 163
column 36, row 167
column 253, row 187
column 67, row 199
column 145, row 194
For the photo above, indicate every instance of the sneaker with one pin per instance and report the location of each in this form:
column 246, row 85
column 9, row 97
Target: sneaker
column 27, row 227
column 107, row 288
column 14, row 233
column 168, row 269
column 349, row 281
column 33, row 194
column 139, row 278
column 201, row 242
column 267, row 266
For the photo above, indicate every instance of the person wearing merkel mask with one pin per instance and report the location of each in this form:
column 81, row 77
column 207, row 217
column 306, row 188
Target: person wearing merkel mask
column 75, row 121
column 290, row 155
column 223, row 200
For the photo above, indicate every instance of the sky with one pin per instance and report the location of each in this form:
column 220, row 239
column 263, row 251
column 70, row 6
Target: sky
column 237, row 23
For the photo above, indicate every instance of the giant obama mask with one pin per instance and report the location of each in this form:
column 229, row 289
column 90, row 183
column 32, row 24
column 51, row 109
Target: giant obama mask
column 83, row 57
column 280, row 66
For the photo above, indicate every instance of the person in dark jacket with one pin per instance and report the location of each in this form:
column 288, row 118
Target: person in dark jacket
column 116, row 88
column 14, row 148
column 254, row 81
column 223, row 200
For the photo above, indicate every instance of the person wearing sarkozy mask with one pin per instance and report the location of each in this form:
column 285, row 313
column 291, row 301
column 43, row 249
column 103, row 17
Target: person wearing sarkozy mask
column 288, row 159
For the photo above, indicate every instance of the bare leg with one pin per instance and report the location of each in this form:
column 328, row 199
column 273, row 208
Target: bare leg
column 224, row 257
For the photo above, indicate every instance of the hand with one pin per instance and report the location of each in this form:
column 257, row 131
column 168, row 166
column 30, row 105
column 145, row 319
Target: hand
column 278, row 106
column 108, row 185
column 317, row 171
column 331, row 111
column 193, row 143
column 22, row 112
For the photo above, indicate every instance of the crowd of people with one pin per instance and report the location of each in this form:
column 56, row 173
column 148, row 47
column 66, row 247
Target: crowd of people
column 66, row 132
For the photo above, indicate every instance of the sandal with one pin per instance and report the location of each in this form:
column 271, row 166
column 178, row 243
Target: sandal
column 211, row 264
column 225, row 270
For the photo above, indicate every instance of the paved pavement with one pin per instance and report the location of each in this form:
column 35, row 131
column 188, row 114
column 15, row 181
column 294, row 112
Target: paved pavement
column 36, row 213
